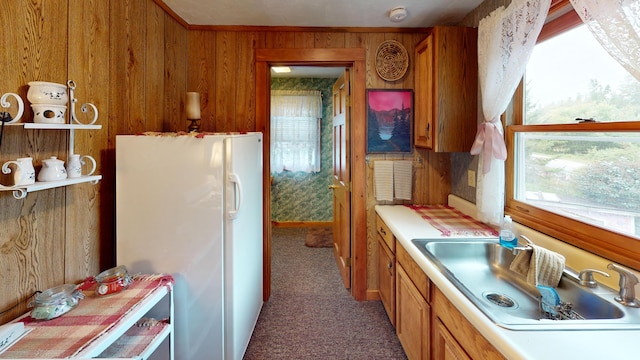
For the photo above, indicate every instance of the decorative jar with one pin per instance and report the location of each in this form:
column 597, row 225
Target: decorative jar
column 56, row 301
column 43, row 92
column 113, row 280
column 52, row 170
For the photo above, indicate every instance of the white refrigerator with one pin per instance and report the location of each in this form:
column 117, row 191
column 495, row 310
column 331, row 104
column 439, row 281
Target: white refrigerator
column 191, row 206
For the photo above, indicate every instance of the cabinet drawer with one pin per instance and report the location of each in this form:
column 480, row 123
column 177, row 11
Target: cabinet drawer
column 385, row 233
column 415, row 273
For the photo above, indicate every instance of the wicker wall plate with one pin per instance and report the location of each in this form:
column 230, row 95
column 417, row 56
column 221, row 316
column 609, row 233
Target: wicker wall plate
column 392, row 60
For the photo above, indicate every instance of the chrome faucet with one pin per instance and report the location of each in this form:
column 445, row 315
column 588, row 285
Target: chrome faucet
column 628, row 282
column 585, row 278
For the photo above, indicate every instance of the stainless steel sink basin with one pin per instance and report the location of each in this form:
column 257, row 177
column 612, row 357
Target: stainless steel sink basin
column 480, row 270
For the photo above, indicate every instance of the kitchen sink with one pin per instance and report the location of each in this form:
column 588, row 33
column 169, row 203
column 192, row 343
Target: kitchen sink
column 480, row 270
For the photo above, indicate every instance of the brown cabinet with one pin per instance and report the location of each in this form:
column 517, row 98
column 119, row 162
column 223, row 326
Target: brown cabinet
column 446, row 346
column 446, row 88
column 386, row 269
column 413, row 312
column 456, row 335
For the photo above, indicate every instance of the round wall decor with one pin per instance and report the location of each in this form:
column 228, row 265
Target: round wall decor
column 392, row 60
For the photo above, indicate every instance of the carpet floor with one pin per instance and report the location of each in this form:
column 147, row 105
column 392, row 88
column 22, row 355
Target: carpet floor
column 310, row 314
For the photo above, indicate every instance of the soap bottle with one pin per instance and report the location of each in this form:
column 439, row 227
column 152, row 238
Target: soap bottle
column 507, row 237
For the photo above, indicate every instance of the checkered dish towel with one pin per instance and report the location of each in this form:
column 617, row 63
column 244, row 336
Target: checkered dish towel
column 452, row 222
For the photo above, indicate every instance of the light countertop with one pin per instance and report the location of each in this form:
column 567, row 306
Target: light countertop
column 406, row 225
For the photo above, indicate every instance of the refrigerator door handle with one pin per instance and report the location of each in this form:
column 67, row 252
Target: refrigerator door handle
column 237, row 198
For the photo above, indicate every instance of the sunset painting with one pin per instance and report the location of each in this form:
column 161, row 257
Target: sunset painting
column 389, row 120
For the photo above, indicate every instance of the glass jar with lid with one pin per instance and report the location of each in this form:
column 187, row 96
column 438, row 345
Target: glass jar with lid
column 56, row 301
column 113, row 280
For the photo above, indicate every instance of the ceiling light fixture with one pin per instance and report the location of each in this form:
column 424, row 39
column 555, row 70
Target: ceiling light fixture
column 281, row 69
column 398, row 14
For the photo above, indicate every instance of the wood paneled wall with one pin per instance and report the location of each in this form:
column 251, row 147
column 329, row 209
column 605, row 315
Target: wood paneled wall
column 127, row 58
column 135, row 61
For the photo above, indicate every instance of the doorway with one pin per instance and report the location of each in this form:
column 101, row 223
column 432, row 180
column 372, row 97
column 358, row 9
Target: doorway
column 354, row 59
column 301, row 146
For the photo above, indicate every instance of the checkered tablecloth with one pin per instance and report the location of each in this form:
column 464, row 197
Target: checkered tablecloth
column 452, row 222
column 69, row 334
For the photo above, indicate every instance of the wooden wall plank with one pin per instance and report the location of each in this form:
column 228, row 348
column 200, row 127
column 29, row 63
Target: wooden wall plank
column 201, row 74
column 226, row 72
column 175, row 76
column 127, row 86
column 88, row 56
column 245, row 100
column 329, row 40
column 154, row 65
column 280, row 39
column 304, row 39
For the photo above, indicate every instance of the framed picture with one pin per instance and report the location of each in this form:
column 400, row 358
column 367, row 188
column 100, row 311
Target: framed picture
column 389, row 120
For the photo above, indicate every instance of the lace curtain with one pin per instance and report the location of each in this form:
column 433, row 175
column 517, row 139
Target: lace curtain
column 295, row 130
column 616, row 25
column 505, row 41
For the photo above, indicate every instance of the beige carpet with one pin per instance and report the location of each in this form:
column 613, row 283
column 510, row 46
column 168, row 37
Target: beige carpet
column 319, row 237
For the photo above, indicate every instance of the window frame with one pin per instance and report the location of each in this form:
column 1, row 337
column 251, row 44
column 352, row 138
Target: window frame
column 614, row 246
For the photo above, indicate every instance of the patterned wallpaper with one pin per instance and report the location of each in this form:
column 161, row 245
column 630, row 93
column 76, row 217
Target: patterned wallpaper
column 298, row 196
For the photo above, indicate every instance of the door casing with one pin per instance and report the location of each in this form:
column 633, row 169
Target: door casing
column 353, row 58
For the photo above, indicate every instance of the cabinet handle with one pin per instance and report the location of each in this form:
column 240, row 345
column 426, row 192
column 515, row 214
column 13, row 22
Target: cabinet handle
column 384, row 233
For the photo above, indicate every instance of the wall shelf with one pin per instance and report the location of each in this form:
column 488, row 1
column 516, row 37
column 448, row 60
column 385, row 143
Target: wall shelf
column 21, row 191
column 58, row 126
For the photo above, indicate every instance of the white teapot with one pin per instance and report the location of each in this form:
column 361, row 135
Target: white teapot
column 52, row 170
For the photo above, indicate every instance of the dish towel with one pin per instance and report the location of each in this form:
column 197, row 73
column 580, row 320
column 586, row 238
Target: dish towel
column 402, row 179
column 383, row 180
column 540, row 266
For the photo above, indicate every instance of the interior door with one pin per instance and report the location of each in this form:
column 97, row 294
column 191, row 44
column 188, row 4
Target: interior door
column 341, row 178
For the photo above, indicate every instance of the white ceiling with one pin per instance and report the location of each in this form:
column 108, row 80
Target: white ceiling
column 321, row 13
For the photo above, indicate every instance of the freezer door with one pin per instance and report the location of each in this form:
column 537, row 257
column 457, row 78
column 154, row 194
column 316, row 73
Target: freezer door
column 243, row 241
column 169, row 215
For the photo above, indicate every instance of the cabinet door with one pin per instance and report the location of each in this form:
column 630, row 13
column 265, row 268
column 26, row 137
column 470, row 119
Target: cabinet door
column 412, row 317
column 386, row 279
column 446, row 346
column 446, row 89
column 424, row 96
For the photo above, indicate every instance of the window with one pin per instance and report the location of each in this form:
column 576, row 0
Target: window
column 295, row 130
column 575, row 146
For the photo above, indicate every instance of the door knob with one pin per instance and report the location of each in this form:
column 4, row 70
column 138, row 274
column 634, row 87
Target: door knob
column 333, row 186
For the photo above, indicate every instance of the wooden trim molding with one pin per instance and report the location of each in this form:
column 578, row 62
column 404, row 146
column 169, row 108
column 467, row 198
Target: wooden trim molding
column 348, row 57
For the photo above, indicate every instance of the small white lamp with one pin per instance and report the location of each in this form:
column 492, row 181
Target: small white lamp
column 193, row 110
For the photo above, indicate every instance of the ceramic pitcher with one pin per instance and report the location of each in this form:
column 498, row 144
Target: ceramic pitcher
column 25, row 174
column 74, row 165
